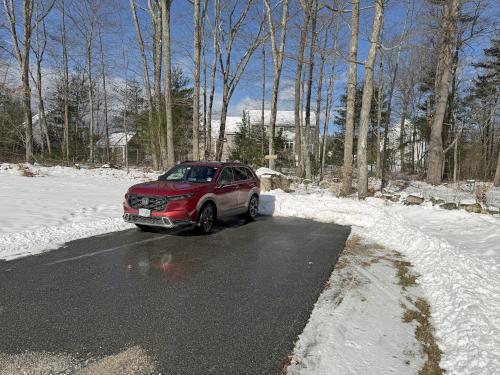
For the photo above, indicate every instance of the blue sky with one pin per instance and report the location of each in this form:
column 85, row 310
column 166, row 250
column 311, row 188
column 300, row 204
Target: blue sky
column 248, row 94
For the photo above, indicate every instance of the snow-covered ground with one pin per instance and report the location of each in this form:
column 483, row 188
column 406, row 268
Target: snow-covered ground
column 457, row 254
column 59, row 204
column 356, row 326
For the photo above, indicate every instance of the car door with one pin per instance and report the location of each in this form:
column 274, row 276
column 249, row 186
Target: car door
column 242, row 178
column 226, row 192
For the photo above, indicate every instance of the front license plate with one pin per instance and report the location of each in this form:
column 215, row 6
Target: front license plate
column 144, row 212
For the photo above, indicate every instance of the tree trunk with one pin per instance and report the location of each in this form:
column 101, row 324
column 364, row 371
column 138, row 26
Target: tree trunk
column 262, row 113
column 42, row 119
column 448, row 45
column 316, row 150
column 103, row 73
column 196, row 79
column 496, row 181
column 402, row 134
column 204, row 64
column 222, row 127
column 329, row 99
column 149, row 99
column 91, row 100
column 66, row 85
column 297, row 144
column 24, row 61
column 312, row 52
column 156, row 17
column 168, row 82
column 366, row 102
column 351, row 98
column 380, row 103
column 278, row 63
column 213, row 71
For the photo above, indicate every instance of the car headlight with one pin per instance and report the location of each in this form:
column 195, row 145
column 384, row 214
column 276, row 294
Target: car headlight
column 180, row 197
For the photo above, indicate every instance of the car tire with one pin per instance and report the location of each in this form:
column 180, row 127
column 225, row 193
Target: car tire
column 253, row 208
column 206, row 219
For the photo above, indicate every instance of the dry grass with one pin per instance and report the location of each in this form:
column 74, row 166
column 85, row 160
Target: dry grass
column 25, row 171
column 424, row 333
column 406, row 278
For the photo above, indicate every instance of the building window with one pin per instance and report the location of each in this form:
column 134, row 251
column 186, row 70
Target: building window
column 289, row 145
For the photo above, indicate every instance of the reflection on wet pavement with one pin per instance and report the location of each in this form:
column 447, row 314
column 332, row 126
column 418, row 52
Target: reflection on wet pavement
column 171, row 268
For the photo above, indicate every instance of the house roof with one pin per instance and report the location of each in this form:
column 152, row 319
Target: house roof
column 116, row 139
column 282, row 117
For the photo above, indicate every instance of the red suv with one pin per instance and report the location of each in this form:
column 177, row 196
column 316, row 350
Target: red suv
column 193, row 194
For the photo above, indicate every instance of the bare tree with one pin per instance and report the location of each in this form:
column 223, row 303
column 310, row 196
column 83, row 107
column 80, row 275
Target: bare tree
column 319, row 90
column 366, row 102
column 496, row 181
column 449, row 41
column 105, row 95
column 65, row 83
column 278, row 52
column 196, row 86
column 306, row 141
column 263, row 101
column 213, row 71
column 329, row 98
column 231, row 74
column 351, row 97
column 152, row 104
column 380, row 104
column 204, row 67
column 297, row 145
column 23, row 59
column 39, row 51
column 165, row 11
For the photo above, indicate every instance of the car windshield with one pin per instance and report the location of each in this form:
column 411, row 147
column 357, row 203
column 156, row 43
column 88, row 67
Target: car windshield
column 190, row 173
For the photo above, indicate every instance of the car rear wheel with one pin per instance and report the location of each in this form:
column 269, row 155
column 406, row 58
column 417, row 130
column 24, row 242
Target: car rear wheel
column 206, row 219
column 253, row 208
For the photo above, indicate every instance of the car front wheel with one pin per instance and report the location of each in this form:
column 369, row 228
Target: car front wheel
column 206, row 219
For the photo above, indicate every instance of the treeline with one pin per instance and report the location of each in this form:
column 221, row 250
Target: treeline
column 402, row 94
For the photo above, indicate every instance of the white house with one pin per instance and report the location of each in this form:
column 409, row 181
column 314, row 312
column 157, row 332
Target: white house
column 117, row 143
column 285, row 122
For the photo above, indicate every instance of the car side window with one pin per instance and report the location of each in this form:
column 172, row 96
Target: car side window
column 249, row 173
column 226, row 177
column 240, row 174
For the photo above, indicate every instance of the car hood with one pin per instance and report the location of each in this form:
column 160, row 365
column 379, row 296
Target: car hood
column 165, row 188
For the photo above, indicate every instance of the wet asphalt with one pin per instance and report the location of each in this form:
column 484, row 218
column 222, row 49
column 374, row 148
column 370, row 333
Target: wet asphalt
column 232, row 302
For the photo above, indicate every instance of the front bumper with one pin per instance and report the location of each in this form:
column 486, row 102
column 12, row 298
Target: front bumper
column 156, row 221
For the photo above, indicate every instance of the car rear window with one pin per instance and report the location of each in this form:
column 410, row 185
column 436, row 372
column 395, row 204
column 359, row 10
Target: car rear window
column 240, row 174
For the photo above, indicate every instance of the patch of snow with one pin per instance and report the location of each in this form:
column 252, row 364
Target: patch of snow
column 456, row 253
column 445, row 192
column 493, row 197
column 262, row 171
column 469, row 201
column 40, row 214
column 356, row 325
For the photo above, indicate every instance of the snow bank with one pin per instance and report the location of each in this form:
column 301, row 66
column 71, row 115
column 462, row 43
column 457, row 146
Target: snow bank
column 262, row 171
column 59, row 204
column 493, row 197
column 456, row 254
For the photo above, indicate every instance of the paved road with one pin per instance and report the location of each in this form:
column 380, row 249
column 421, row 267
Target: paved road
column 229, row 303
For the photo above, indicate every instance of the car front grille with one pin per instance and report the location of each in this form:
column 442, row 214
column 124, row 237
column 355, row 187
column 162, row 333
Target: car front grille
column 146, row 201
